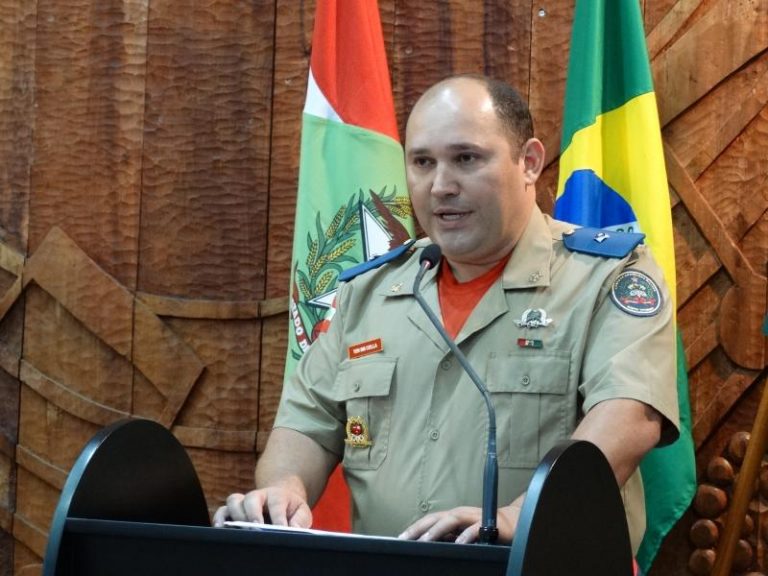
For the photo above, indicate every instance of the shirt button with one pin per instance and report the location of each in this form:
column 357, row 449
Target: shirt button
column 423, row 505
column 434, row 434
column 525, row 380
column 445, row 364
column 356, row 386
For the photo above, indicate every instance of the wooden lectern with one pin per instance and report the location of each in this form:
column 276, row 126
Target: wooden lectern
column 133, row 505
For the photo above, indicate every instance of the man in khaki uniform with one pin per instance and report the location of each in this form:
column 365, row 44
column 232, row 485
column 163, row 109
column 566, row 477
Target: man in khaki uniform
column 569, row 344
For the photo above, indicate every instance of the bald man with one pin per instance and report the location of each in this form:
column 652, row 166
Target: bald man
column 570, row 344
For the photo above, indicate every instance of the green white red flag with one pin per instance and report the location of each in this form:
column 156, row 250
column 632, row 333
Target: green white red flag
column 352, row 202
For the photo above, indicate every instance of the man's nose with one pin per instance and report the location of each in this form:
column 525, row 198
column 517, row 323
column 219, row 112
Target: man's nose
column 444, row 181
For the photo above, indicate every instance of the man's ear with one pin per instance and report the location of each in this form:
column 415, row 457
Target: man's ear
column 533, row 159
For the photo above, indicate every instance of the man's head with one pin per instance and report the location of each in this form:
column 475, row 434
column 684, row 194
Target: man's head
column 471, row 163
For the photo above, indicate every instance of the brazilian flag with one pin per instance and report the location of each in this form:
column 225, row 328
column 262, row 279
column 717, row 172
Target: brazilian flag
column 612, row 175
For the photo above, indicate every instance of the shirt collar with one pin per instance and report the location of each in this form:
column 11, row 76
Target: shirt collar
column 531, row 258
column 528, row 267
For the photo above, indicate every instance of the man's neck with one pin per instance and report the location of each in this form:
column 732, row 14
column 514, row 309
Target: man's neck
column 468, row 271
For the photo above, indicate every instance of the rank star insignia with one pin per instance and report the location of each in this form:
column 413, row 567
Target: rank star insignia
column 395, row 288
column 357, row 433
column 534, row 318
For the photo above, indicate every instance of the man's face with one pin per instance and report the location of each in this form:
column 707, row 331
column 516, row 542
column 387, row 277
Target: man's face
column 469, row 185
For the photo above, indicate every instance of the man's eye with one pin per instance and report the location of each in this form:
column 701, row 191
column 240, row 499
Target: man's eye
column 466, row 158
column 422, row 162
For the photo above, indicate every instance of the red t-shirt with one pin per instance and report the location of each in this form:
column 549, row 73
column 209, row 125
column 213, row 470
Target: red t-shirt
column 458, row 299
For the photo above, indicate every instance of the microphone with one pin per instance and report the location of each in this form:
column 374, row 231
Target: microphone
column 429, row 258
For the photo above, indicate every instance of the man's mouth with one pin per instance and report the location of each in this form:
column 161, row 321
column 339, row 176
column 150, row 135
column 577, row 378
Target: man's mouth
column 450, row 216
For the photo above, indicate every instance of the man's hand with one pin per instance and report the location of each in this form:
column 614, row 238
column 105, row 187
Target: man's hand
column 283, row 506
column 291, row 475
column 462, row 524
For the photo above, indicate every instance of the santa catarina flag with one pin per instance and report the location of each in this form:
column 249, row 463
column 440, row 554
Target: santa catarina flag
column 352, row 203
column 612, row 175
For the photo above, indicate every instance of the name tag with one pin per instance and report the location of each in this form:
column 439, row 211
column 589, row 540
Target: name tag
column 365, row 348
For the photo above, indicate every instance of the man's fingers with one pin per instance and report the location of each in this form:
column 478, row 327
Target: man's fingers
column 288, row 509
column 220, row 516
column 284, row 507
column 301, row 517
column 469, row 535
column 277, row 505
column 253, row 506
column 418, row 528
column 235, row 510
column 444, row 526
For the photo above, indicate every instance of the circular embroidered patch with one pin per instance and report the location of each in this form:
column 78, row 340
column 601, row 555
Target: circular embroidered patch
column 636, row 293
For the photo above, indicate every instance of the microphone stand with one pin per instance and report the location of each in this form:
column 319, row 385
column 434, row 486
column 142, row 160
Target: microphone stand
column 489, row 533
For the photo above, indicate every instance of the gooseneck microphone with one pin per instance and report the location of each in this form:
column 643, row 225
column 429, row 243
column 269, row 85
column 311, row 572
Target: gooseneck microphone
column 430, row 257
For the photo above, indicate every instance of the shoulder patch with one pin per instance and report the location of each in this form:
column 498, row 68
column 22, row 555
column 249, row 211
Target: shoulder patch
column 636, row 293
column 599, row 242
column 358, row 269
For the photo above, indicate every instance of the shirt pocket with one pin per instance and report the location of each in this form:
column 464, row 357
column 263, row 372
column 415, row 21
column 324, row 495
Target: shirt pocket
column 364, row 388
column 529, row 393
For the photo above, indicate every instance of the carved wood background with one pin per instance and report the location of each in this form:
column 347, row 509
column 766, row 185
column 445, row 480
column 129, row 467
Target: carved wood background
column 148, row 169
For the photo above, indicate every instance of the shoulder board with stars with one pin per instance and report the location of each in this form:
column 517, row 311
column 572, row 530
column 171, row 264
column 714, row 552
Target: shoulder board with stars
column 599, row 242
column 350, row 273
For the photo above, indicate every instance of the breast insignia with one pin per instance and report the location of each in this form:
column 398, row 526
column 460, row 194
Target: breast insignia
column 534, row 318
column 357, row 433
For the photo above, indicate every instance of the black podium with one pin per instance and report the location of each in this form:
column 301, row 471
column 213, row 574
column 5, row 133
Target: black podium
column 133, row 505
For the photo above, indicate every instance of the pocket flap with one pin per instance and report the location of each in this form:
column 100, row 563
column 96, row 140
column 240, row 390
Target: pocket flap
column 530, row 373
column 365, row 378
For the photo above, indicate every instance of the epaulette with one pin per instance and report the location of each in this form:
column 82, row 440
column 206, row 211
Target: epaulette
column 600, row 242
column 358, row 269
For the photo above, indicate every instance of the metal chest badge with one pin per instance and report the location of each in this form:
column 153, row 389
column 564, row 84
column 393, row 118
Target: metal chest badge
column 636, row 293
column 357, row 433
column 534, row 318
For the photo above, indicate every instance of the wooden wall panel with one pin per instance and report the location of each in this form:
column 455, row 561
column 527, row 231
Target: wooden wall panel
column 550, row 48
column 17, row 91
column 219, row 419
column 293, row 44
column 149, row 155
column 89, row 109
column 17, row 97
column 206, row 149
column 204, row 216
column 85, row 179
column 710, row 71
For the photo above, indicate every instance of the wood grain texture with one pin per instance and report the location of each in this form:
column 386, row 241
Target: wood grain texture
column 89, row 109
column 727, row 35
column 18, row 35
column 293, row 40
column 225, row 396
column 698, row 140
column 741, row 334
column 17, row 100
column 85, row 179
column 550, row 48
column 206, row 149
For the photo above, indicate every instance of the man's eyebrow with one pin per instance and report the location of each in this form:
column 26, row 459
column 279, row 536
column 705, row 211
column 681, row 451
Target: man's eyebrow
column 457, row 147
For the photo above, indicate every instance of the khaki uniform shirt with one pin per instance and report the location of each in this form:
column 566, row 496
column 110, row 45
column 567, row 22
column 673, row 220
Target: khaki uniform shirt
column 426, row 420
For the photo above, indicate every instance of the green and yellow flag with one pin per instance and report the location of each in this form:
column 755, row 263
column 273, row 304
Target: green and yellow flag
column 352, row 202
column 612, row 175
